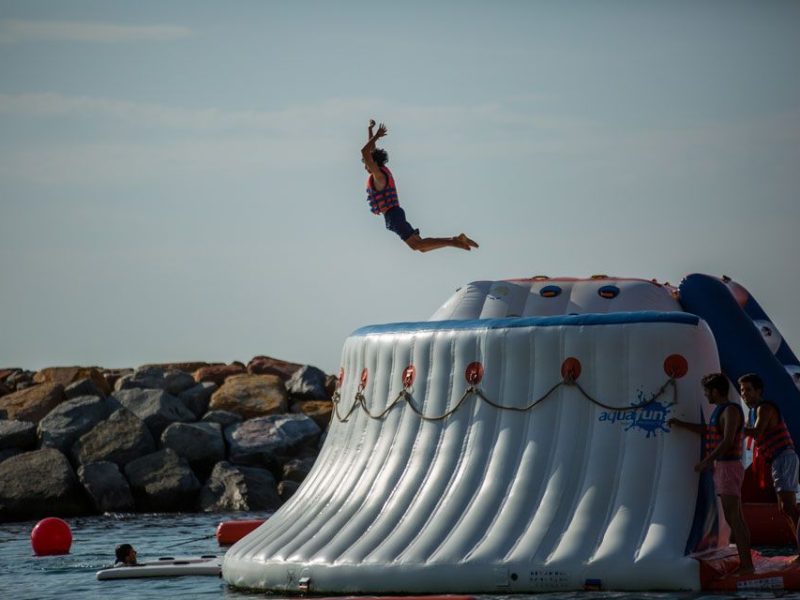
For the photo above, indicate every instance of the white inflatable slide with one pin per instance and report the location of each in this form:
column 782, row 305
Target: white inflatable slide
column 499, row 451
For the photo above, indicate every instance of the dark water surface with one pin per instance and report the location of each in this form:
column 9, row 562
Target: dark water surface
column 72, row 577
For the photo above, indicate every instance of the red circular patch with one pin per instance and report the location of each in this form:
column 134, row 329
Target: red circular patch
column 340, row 379
column 474, row 373
column 571, row 368
column 409, row 374
column 364, row 377
column 676, row 366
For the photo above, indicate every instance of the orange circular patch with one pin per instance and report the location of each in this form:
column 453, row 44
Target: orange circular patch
column 474, row 373
column 676, row 366
column 409, row 375
column 571, row 368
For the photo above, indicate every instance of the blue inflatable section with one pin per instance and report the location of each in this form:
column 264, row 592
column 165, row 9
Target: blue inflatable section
column 740, row 344
column 620, row 318
column 755, row 312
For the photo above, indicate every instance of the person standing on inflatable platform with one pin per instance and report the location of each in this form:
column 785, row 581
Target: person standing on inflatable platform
column 774, row 447
column 383, row 199
column 723, row 449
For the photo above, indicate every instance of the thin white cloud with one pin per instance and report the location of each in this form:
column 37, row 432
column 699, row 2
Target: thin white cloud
column 14, row 31
column 248, row 141
column 163, row 116
column 294, row 120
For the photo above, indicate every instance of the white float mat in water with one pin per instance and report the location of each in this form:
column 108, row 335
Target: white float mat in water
column 167, row 566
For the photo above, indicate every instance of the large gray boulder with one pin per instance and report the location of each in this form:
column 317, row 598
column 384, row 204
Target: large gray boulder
column 8, row 453
column 19, row 379
column 171, row 381
column 113, row 375
column 234, row 487
column 17, row 434
column 121, row 438
column 298, row 469
column 201, row 444
column 157, row 408
column 39, row 483
column 70, row 420
column 266, row 440
column 223, row 417
column 163, row 482
column 308, row 383
column 84, row 387
column 197, row 397
column 107, row 487
column 287, row 488
column 319, row 410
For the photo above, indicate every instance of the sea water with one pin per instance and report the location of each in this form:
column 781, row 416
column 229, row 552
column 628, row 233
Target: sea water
column 24, row 576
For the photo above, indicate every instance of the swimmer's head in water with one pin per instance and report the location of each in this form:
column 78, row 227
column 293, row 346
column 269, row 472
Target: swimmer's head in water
column 125, row 554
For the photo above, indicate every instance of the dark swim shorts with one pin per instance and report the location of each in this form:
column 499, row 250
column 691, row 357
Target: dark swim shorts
column 396, row 221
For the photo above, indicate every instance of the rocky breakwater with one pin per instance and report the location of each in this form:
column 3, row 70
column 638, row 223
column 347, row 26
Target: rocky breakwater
column 160, row 438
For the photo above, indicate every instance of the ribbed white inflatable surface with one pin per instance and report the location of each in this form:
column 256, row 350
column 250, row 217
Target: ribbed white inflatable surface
column 543, row 296
column 491, row 499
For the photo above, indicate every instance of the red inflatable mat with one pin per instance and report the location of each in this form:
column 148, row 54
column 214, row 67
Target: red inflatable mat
column 772, row 572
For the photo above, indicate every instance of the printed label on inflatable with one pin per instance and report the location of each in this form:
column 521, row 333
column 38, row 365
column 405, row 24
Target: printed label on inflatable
column 651, row 418
column 765, row 583
column 549, row 579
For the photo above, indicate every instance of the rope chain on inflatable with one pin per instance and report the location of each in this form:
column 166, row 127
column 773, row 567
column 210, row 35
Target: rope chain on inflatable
column 360, row 400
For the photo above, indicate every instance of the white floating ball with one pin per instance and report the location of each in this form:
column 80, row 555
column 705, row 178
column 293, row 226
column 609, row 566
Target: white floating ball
column 770, row 333
column 794, row 373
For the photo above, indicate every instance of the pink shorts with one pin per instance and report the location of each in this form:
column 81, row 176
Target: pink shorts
column 728, row 477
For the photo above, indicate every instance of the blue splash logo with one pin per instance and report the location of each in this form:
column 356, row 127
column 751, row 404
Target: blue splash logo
column 651, row 418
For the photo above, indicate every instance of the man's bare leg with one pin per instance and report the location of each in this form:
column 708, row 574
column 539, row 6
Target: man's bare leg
column 787, row 502
column 415, row 242
column 732, row 507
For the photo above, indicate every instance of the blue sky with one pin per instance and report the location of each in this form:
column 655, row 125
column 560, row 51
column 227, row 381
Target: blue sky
column 182, row 180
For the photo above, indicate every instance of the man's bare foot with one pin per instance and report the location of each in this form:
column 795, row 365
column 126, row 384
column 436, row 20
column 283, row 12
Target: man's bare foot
column 459, row 243
column 464, row 239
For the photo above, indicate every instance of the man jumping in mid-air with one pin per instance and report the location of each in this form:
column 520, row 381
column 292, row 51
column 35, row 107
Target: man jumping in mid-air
column 382, row 198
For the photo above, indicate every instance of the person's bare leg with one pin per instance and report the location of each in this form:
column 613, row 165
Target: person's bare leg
column 427, row 244
column 787, row 502
column 732, row 507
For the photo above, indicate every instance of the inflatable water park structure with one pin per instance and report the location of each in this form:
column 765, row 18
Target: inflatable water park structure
column 518, row 442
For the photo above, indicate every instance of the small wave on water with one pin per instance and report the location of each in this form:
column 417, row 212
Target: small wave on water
column 24, row 576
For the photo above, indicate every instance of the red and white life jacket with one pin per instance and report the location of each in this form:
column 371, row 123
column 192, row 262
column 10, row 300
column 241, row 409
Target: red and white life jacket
column 382, row 200
column 714, row 434
column 775, row 440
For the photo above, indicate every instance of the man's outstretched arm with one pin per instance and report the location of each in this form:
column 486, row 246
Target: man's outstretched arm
column 366, row 153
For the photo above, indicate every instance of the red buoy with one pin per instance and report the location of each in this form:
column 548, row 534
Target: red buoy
column 51, row 536
column 230, row 532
